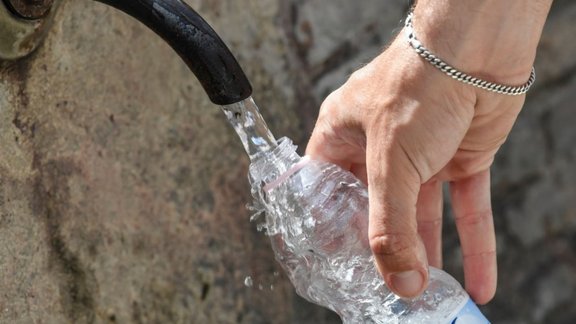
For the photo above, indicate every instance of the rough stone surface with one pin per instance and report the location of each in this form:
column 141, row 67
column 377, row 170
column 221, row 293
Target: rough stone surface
column 123, row 191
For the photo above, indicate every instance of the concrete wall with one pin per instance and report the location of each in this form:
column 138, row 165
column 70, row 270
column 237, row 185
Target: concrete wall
column 123, row 191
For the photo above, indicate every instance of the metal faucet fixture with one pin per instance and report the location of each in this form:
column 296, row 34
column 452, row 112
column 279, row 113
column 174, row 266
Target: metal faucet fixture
column 173, row 20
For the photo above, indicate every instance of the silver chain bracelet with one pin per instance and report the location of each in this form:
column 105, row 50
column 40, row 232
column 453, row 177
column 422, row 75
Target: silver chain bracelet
column 459, row 75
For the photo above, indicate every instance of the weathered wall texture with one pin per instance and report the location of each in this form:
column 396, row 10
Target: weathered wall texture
column 122, row 189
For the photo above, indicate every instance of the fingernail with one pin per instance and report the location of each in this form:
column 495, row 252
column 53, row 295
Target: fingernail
column 407, row 284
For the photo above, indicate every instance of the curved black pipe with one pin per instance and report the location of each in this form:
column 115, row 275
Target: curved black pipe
column 196, row 43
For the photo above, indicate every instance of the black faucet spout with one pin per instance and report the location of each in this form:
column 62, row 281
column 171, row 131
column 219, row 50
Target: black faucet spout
column 197, row 44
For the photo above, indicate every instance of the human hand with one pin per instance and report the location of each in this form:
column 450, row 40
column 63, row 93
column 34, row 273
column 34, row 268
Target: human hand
column 403, row 127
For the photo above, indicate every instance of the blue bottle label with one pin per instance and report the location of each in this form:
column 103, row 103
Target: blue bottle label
column 469, row 314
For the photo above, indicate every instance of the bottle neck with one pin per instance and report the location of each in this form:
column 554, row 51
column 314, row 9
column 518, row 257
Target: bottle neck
column 266, row 167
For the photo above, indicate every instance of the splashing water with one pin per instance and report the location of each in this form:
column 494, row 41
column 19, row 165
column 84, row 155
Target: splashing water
column 256, row 138
column 248, row 282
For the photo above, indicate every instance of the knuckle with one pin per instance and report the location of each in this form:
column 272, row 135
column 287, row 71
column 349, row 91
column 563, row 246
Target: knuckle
column 329, row 105
column 488, row 144
column 430, row 226
column 468, row 164
column 479, row 255
column 392, row 244
column 359, row 75
column 475, row 219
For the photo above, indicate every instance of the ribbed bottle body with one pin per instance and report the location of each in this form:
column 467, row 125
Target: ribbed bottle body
column 317, row 220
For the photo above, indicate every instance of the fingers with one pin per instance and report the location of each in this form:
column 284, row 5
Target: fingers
column 322, row 146
column 335, row 137
column 473, row 213
column 398, row 250
column 429, row 218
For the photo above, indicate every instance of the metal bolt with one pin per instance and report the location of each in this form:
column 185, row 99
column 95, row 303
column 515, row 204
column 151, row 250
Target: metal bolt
column 30, row 9
column 23, row 25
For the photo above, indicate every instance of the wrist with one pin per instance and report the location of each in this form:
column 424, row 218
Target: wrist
column 490, row 39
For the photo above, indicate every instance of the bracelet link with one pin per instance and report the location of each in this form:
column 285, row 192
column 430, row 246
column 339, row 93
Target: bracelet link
column 459, row 75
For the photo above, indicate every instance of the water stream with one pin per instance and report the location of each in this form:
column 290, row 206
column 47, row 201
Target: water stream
column 245, row 117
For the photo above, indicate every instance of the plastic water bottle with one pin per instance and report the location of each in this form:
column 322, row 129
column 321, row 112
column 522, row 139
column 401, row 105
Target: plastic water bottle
column 317, row 220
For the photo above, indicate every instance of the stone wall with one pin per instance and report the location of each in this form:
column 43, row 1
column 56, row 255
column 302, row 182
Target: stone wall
column 123, row 191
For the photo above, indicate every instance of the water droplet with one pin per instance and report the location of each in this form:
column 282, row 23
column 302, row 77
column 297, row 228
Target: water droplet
column 248, row 282
column 261, row 227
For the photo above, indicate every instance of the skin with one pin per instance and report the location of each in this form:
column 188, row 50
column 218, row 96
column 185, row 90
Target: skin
column 404, row 128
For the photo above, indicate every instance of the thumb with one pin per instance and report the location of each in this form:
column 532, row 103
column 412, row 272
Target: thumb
column 393, row 184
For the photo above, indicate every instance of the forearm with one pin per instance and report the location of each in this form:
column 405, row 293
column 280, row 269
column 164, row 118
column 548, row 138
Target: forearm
column 493, row 39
